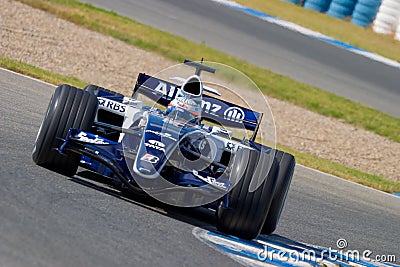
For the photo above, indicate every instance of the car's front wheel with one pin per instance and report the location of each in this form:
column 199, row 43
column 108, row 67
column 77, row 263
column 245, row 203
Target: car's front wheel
column 69, row 107
column 249, row 201
column 283, row 180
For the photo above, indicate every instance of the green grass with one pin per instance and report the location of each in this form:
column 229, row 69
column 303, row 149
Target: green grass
column 176, row 48
column 342, row 30
column 337, row 169
column 306, row 159
column 38, row 73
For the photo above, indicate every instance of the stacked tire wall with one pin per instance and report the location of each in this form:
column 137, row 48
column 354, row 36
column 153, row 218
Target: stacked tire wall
column 317, row 5
column 341, row 8
column 387, row 19
column 397, row 36
column 293, row 1
column 365, row 12
column 382, row 15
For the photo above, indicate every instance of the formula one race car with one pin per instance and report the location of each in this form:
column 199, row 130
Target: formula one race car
column 176, row 143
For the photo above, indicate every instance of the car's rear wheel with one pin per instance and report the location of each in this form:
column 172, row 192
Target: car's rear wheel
column 69, row 107
column 248, row 204
column 284, row 178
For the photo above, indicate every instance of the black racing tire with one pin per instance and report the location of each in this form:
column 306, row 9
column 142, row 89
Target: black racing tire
column 69, row 107
column 284, row 178
column 94, row 89
column 247, row 211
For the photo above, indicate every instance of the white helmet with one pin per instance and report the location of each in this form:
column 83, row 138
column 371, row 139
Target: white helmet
column 189, row 98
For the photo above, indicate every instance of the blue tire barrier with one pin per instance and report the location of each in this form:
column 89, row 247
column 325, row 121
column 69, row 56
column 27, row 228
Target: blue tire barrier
column 292, row 1
column 338, row 11
column 346, row 3
column 371, row 3
column 317, row 5
column 361, row 21
column 341, row 8
column 365, row 12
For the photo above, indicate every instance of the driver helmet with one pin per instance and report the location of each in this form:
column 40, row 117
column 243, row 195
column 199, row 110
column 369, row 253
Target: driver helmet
column 189, row 98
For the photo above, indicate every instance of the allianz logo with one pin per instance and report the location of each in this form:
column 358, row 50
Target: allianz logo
column 234, row 114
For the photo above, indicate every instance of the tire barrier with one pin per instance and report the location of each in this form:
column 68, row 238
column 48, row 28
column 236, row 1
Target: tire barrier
column 384, row 14
column 397, row 35
column 365, row 12
column 317, row 5
column 296, row 2
column 341, row 8
column 386, row 20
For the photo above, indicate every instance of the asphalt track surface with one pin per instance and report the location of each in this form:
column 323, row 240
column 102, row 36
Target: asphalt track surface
column 47, row 219
column 270, row 46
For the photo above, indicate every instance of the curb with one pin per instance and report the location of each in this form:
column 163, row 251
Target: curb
column 307, row 32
